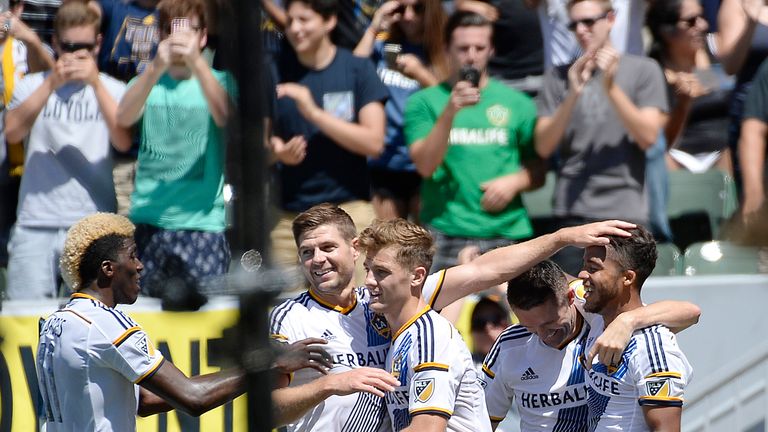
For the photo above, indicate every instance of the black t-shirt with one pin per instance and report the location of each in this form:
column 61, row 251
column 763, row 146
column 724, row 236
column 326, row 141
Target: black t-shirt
column 329, row 173
column 517, row 41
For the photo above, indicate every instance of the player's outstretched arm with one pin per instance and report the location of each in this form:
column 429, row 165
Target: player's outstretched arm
column 675, row 315
column 291, row 403
column 195, row 395
column 502, row 264
column 427, row 423
column 662, row 419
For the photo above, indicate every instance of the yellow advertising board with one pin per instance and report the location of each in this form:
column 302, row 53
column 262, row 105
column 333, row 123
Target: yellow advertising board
column 190, row 340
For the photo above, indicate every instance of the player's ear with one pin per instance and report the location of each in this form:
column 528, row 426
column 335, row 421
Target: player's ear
column 418, row 276
column 629, row 277
column 355, row 251
column 107, row 268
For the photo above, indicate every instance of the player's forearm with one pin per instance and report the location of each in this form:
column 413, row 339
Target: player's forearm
column 676, row 315
column 132, row 104
column 219, row 103
column 213, row 390
column 19, row 121
column 119, row 136
column 291, row 403
column 642, row 125
column 549, row 131
column 428, row 153
column 151, row 404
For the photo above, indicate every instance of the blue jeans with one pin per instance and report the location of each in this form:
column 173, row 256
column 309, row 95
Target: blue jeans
column 657, row 186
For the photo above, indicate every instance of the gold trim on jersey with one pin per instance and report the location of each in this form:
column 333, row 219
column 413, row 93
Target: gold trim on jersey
column 496, row 419
column 439, row 287
column 431, row 366
column 84, row 296
column 410, row 321
column 279, row 337
column 337, row 308
column 488, row 371
column 120, row 339
column 77, row 314
column 422, row 410
column 665, row 374
column 661, row 398
column 150, row 371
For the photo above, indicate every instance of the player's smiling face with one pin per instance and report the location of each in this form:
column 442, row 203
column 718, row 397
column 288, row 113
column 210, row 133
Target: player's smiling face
column 126, row 274
column 327, row 259
column 602, row 277
column 554, row 322
column 389, row 283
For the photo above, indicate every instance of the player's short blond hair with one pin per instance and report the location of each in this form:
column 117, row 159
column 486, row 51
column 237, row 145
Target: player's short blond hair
column 82, row 235
column 415, row 244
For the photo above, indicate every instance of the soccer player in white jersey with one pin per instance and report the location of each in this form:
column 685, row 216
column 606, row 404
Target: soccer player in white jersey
column 535, row 363
column 95, row 365
column 334, row 309
column 438, row 387
column 642, row 390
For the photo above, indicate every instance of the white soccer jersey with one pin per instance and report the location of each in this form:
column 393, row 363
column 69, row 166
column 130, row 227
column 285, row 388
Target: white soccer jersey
column 437, row 376
column 546, row 383
column 653, row 371
column 89, row 360
column 356, row 337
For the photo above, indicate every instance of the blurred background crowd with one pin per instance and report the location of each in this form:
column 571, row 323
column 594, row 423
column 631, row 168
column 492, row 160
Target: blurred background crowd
column 341, row 126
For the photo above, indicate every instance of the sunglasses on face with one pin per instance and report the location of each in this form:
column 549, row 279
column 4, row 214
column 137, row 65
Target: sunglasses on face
column 588, row 22
column 691, row 21
column 418, row 8
column 70, row 47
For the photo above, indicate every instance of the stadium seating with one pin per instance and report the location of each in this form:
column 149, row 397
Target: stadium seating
column 719, row 257
column 669, row 262
column 698, row 204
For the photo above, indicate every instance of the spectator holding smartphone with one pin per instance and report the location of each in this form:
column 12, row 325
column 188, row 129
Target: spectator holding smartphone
column 407, row 58
column 68, row 116
column 182, row 107
column 473, row 146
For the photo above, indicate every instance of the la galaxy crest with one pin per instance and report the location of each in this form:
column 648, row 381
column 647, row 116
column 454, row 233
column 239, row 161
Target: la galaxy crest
column 380, row 324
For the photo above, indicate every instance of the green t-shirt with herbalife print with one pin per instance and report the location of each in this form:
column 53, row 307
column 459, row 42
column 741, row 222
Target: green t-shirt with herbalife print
column 487, row 140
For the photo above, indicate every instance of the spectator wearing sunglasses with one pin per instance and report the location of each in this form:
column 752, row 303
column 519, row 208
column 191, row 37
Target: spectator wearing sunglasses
column 68, row 116
column 602, row 113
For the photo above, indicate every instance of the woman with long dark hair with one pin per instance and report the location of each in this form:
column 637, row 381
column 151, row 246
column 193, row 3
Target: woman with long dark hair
column 699, row 91
column 405, row 41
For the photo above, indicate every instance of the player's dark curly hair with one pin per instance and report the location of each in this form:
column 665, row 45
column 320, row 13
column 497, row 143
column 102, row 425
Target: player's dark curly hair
column 541, row 283
column 637, row 253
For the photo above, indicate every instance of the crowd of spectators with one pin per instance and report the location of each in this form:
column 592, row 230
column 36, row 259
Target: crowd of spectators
column 376, row 110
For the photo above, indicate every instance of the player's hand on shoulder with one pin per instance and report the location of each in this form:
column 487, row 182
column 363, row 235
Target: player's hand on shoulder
column 306, row 353
column 610, row 345
column 363, row 379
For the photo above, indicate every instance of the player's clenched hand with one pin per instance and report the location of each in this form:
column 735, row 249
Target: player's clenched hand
column 364, row 379
column 611, row 344
column 594, row 234
column 303, row 354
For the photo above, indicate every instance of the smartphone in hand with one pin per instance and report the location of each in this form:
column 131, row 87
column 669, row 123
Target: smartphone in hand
column 179, row 24
column 469, row 73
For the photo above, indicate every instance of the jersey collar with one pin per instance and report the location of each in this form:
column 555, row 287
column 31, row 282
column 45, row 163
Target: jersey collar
column 411, row 321
column 331, row 306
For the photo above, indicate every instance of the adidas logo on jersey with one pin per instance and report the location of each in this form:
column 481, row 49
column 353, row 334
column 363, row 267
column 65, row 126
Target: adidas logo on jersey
column 529, row 374
column 327, row 335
